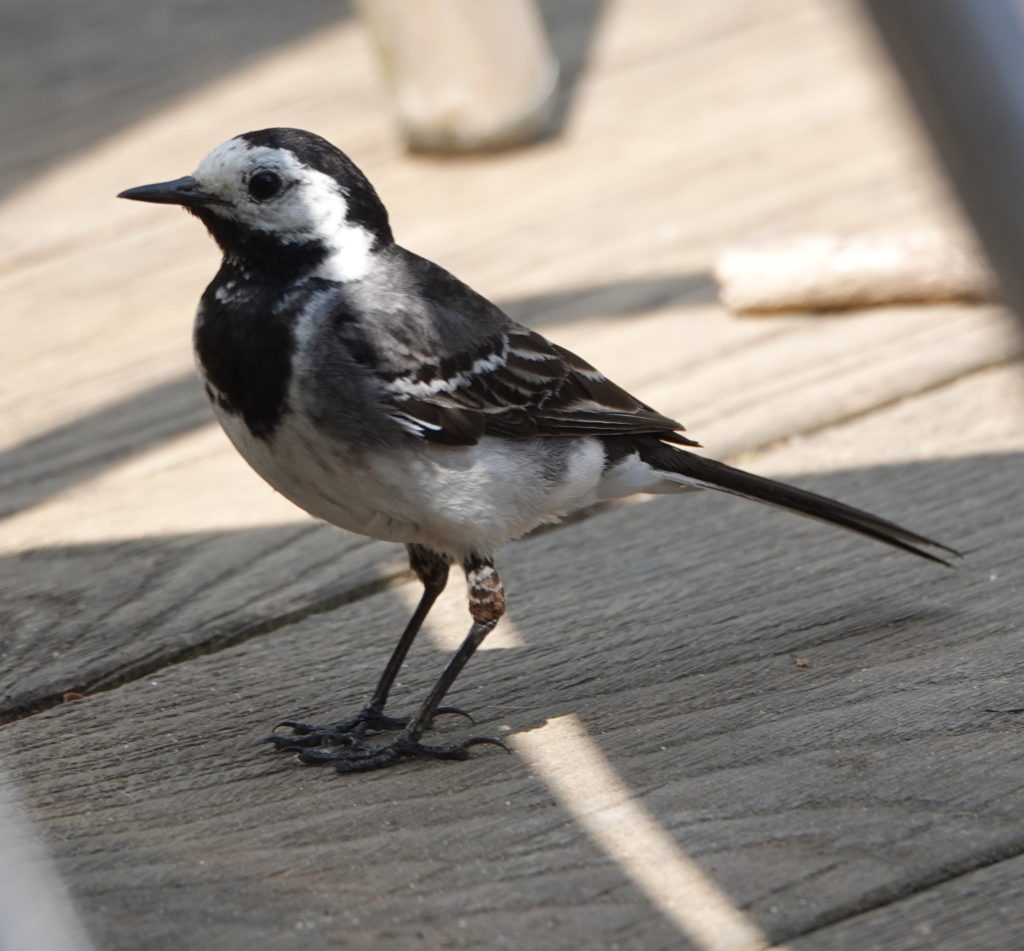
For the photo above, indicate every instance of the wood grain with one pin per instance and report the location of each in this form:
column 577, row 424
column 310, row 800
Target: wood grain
column 840, row 801
column 195, row 590
column 808, row 794
column 977, row 909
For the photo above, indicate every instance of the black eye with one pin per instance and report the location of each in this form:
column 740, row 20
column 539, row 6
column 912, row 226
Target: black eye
column 264, row 185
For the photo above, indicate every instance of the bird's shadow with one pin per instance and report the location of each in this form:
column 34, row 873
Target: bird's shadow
column 730, row 668
column 83, row 617
column 55, row 461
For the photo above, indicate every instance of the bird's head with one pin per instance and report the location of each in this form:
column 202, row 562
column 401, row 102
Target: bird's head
column 282, row 201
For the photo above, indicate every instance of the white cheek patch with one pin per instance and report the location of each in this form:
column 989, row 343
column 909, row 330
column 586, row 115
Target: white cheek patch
column 311, row 209
column 351, row 257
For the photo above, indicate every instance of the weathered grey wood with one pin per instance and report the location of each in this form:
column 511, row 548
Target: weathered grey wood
column 85, row 617
column 49, row 51
column 807, row 793
column 620, row 199
column 619, row 217
column 135, row 538
column 163, row 593
column 981, row 909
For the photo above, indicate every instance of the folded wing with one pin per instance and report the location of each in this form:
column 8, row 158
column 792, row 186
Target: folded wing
column 517, row 384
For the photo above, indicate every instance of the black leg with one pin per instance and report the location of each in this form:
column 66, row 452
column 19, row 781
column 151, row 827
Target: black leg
column 486, row 606
column 432, row 570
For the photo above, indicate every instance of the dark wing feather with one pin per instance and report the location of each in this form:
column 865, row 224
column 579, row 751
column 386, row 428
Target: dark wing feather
column 517, row 384
column 452, row 366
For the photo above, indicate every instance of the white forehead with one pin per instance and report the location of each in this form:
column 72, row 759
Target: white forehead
column 236, row 159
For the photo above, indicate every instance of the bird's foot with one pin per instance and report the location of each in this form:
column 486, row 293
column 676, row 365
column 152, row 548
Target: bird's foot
column 363, row 757
column 348, row 732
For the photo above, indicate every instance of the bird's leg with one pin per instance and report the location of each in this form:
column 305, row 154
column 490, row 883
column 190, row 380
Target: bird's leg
column 432, row 570
column 486, row 606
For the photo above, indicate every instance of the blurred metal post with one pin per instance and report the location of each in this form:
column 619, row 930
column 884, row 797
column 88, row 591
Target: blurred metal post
column 963, row 63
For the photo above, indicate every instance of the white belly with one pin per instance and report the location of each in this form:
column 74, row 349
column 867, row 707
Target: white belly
column 457, row 500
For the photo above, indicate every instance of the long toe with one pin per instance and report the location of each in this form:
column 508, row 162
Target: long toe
column 364, row 758
column 355, row 755
column 311, row 740
column 344, row 733
column 348, row 733
column 379, row 723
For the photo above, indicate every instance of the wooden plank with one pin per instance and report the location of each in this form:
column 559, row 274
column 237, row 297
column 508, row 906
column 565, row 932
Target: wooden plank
column 977, row 414
column 136, row 539
column 740, row 131
column 66, row 78
column 206, row 554
column 618, row 197
column 806, row 794
column 979, row 909
column 85, row 461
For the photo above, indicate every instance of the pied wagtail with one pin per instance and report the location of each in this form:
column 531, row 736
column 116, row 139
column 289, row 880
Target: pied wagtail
column 379, row 393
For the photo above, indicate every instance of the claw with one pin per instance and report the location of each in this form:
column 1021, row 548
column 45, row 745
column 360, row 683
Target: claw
column 300, row 729
column 455, row 711
column 363, row 758
column 346, row 733
column 280, row 742
column 308, row 742
column 487, row 741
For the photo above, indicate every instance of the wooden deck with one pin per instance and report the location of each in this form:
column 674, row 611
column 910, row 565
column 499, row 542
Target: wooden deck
column 732, row 729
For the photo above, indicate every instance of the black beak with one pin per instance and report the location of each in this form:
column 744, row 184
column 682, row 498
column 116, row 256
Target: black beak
column 182, row 191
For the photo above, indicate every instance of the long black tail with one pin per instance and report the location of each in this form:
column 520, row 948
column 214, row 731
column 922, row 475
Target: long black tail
column 717, row 475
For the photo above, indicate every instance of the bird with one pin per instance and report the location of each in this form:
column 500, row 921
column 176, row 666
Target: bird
column 381, row 394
